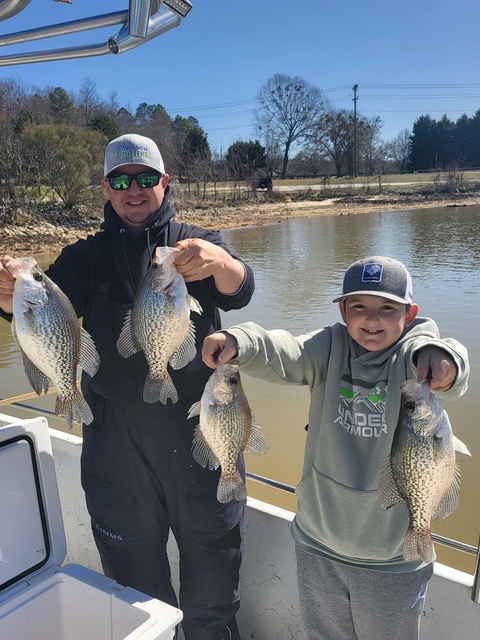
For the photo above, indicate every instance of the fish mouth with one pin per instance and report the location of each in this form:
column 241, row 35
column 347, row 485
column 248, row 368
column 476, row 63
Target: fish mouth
column 33, row 303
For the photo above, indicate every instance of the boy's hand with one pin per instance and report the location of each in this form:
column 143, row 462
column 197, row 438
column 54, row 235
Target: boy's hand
column 436, row 366
column 219, row 347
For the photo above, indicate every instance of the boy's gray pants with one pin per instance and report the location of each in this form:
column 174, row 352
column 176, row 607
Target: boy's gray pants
column 341, row 602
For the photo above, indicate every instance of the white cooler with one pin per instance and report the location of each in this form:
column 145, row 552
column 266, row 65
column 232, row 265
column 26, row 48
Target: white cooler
column 38, row 599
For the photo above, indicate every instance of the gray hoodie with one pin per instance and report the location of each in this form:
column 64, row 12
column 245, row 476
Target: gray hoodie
column 354, row 409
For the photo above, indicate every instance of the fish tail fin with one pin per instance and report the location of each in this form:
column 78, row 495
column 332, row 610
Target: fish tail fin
column 159, row 390
column 418, row 544
column 230, row 487
column 73, row 409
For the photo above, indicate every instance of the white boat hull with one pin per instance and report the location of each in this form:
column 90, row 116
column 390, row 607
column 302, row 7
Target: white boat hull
column 270, row 606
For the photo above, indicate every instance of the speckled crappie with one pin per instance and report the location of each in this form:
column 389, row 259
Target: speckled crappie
column 226, row 430
column 51, row 339
column 422, row 469
column 159, row 325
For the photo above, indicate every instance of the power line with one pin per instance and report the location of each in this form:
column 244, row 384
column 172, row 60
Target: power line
column 423, row 86
column 220, row 105
column 365, row 96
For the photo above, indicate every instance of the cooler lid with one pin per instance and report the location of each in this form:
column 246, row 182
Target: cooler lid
column 32, row 537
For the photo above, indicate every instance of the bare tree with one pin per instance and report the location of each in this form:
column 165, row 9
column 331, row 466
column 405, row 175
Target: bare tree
column 88, row 101
column 400, row 149
column 112, row 106
column 383, row 157
column 334, row 137
column 289, row 107
column 368, row 141
column 273, row 156
column 309, row 163
column 14, row 97
column 125, row 120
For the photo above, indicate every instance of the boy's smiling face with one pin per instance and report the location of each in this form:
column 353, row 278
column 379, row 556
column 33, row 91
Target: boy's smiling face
column 375, row 322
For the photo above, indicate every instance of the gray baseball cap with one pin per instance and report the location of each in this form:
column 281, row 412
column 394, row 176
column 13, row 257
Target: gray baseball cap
column 132, row 149
column 378, row 276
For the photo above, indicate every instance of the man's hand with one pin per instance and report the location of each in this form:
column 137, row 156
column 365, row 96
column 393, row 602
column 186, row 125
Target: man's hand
column 7, row 282
column 199, row 259
column 435, row 365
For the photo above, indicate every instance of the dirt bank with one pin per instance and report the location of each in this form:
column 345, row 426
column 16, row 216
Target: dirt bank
column 47, row 228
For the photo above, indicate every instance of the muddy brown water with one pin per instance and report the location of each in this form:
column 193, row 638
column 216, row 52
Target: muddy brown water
column 298, row 266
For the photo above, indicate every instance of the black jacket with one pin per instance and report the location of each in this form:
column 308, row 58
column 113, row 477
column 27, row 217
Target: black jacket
column 100, row 276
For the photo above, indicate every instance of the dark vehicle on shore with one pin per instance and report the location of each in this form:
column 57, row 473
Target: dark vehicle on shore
column 264, row 182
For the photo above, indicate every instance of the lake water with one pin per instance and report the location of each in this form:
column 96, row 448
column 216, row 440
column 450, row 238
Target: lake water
column 298, row 266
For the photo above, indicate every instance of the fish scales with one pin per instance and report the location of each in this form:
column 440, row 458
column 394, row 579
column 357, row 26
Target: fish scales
column 225, row 431
column 51, row 340
column 160, row 326
column 422, row 470
column 228, row 425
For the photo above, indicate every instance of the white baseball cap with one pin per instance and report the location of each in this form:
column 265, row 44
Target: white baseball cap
column 132, row 149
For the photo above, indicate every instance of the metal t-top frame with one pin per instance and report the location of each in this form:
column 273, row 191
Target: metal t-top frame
column 141, row 22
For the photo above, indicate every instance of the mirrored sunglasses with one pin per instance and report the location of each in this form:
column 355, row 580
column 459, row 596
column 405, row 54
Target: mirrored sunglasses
column 124, row 181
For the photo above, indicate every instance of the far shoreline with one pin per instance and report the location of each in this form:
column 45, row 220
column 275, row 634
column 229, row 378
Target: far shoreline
column 39, row 234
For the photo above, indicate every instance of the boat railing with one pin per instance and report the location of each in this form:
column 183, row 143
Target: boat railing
column 447, row 542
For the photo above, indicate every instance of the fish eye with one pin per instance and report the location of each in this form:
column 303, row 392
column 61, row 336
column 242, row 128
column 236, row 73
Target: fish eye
column 232, row 381
column 410, row 406
column 38, row 277
column 154, row 265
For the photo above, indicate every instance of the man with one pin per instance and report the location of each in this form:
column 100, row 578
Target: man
column 138, row 473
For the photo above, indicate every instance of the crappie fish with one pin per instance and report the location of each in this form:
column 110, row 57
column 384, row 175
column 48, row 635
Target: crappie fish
column 51, row 340
column 159, row 325
column 422, row 468
column 225, row 431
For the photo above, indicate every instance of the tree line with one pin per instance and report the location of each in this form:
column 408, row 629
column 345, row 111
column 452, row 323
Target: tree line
column 53, row 141
column 443, row 144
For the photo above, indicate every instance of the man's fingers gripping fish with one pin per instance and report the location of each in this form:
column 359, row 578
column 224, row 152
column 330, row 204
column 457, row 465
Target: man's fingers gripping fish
column 422, row 468
column 51, row 340
column 159, row 325
column 225, row 431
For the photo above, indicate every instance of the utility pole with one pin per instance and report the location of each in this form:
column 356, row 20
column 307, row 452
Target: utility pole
column 355, row 89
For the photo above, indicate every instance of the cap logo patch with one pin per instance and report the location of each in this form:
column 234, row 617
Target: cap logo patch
column 372, row 273
column 129, row 151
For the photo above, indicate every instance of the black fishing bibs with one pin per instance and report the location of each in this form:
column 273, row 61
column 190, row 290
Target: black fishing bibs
column 122, row 379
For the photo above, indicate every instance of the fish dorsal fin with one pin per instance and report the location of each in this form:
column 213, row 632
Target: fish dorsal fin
column 186, row 351
column 39, row 381
column 460, row 447
column 202, row 453
column 194, row 305
column 89, row 358
column 194, row 409
column 256, row 442
column 449, row 502
column 127, row 344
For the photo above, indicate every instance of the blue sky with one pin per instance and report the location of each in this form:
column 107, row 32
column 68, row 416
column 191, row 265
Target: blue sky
column 408, row 58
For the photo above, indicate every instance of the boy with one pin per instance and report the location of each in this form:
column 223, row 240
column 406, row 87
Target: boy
column 354, row 583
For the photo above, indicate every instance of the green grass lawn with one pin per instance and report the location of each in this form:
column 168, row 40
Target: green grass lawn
column 406, row 179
